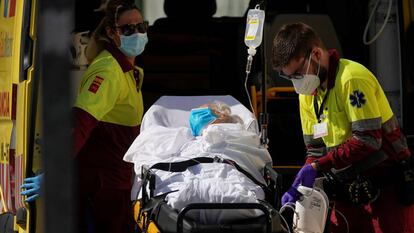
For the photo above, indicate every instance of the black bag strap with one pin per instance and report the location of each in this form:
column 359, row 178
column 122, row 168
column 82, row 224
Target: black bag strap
column 184, row 165
column 155, row 201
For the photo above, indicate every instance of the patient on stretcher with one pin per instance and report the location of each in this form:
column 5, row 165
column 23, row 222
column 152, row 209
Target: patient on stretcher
column 212, row 132
column 211, row 113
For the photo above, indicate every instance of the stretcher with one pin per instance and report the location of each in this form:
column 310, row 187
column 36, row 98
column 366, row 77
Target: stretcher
column 152, row 211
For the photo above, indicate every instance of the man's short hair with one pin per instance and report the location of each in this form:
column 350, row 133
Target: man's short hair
column 292, row 42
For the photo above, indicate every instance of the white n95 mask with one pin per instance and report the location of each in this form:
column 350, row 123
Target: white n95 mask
column 308, row 83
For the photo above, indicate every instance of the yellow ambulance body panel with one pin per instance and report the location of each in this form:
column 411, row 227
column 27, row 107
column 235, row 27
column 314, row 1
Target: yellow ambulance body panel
column 17, row 25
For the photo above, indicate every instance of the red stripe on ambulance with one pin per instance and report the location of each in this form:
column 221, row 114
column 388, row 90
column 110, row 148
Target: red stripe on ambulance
column 10, row 166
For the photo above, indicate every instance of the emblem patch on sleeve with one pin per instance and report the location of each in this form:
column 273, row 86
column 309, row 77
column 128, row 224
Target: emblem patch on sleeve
column 357, row 99
column 95, row 84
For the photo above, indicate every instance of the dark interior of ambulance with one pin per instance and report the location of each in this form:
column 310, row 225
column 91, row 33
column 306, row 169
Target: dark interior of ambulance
column 190, row 52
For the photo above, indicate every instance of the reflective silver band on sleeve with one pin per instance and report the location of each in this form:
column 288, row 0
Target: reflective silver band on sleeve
column 308, row 139
column 390, row 125
column 315, row 147
column 367, row 124
column 400, row 145
column 372, row 142
column 317, row 152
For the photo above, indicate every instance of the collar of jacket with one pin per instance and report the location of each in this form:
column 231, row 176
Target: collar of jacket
column 333, row 65
column 120, row 57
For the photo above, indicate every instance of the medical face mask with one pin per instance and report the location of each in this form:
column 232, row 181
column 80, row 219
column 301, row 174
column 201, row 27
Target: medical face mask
column 200, row 118
column 134, row 44
column 308, row 83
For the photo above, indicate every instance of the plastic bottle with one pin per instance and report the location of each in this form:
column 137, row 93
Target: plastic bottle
column 254, row 28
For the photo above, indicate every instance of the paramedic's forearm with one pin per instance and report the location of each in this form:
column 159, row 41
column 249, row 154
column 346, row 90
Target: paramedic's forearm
column 359, row 146
column 84, row 123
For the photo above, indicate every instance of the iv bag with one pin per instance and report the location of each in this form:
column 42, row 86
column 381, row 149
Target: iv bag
column 254, row 27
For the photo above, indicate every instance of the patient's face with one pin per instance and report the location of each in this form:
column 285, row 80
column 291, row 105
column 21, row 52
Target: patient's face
column 221, row 117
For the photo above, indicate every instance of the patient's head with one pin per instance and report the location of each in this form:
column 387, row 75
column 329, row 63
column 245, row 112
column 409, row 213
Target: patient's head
column 211, row 113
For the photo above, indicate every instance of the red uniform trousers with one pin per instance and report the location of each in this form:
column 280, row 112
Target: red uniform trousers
column 385, row 215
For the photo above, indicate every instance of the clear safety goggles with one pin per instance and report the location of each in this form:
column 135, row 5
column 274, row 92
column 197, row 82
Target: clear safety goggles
column 290, row 77
column 297, row 74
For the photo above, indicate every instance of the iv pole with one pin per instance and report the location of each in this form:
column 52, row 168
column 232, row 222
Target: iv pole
column 264, row 116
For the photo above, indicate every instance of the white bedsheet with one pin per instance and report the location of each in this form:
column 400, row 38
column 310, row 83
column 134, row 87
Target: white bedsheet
column 203, row 183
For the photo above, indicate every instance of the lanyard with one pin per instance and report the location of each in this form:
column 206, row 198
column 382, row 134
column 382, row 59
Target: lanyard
column 318, row 111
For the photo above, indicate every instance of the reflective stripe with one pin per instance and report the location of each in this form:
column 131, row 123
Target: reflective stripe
column 400, row 145
column 390, row 125
column 317, row 152
column 315, row 147
column 307, row 139
column 372, row 142
column 367, row 124
column 313, row 142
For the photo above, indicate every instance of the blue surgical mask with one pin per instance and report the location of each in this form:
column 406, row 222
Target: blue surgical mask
column 200, row 118
column 134, row 44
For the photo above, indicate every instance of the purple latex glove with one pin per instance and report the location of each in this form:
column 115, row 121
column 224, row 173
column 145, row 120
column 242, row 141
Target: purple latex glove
column 306, row 177
column 291, row 196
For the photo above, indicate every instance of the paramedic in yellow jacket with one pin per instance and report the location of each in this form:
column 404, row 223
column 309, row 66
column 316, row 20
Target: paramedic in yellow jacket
column 107, row 115
column 347, row 124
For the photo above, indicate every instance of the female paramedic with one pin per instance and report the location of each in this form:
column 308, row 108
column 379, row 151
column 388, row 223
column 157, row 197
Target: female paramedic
column 350, row 133
column 107, row 116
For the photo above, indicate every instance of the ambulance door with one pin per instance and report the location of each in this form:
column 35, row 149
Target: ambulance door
column 17, row 39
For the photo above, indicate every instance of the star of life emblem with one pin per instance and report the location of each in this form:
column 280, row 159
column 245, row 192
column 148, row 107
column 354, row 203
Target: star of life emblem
column 357, row 99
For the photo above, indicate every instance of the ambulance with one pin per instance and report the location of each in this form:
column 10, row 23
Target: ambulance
column 19, row 130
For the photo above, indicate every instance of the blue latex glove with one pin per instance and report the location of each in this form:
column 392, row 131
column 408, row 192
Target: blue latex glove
column 306, row 177
column 32, row 186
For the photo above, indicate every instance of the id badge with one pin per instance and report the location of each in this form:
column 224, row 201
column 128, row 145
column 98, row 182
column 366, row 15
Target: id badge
column 320, row 130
